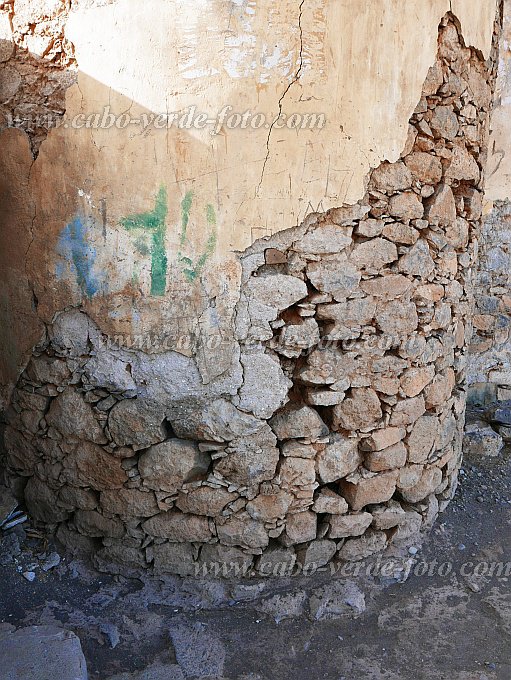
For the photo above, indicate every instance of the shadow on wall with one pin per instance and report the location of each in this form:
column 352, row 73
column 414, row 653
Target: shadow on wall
column 113, row 215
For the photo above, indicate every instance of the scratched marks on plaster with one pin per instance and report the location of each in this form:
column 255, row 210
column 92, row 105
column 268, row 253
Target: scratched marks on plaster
column 191, row 271
column 79, row 256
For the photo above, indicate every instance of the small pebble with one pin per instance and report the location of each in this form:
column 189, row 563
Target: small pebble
column 29, row 575
column 413, row 550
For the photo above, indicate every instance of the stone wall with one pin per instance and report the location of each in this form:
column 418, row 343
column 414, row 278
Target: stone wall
column 337, row 428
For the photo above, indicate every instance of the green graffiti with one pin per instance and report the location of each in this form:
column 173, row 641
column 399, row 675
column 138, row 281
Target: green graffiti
column 190, row 270
column 153, row 223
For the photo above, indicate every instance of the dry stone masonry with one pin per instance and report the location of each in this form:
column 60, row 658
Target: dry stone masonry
column 338, row 435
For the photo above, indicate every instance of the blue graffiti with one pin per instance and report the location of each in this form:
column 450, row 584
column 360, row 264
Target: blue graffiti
column 74, row 247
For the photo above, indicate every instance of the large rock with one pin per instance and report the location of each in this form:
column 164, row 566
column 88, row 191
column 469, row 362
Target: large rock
column 374, row 254
column 391, row 177
column 462, row 166
column 342, row 526
column 366, row 491
column 90, row 465
column 242, row 531
column 70, row 414
column 94, row 524
column 422, row 439
column 129, row 503
column 166, row 466
column 205, row 500
column 298, row 422
column 444, row 123
column 250, row 460
column 268, row 508
column 329, row 502
column 338, row 459
column 359, row 548
column 316, row 554
column 417, row 261
column 387, row 459
column 424, row 167
column 278, row 290
column 325, row 239
column 41, row 653
column 362, row 409
column 300, row 528
column 69, row 333
column 428, row 482
column 137, row 423
column 109, row 372
column 441, row 207
column 264, row 387
column 338, row 277
column 179, row 527
column 42, row 502
column 406, row 206
column 480, row 441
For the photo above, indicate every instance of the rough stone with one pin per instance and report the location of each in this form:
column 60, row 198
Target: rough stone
column 338, row 277
column 390, row 177
column 179, row 527
column 278, row 290
column 441, row 207
column 414, row 380
column 338, row 459
column 430, row 479
column 387, row 459
column 198, row 652
column 137, row 423
column 444, row 123
column 91, row 466
column 70, row 333
column 342, row 526
column 463, row 166
column 41, row 502
column 381, row 439
column 298, row 422
column 422, row 439
column 424, row 167
column 362, row 409
column 359, row 548
column 41, row 652
column 417, row 261
column 481, row 441
column 336, row 600
column 366, row 491
column 205, row 500
column 73, row 417
column 175, row 558
column 168, row 465
column 264, row 387
column 94, row 524
column 327, row 501
column 316, row 554
column 268, row 508
column 250, row 460
column 325, row 239
column 406, row 206
column 129, row 503
column 397, row 317
column 243, row 532
column 300, row 528
column 374, row 254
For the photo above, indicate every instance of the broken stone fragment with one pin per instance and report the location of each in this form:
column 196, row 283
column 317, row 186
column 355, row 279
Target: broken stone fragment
column 359, row 548
column 407, row 411
column 205, row 500
column 109, row 372
column 244, row 532
column 70, row 498
column 220, row 421
column 444, row 123
column 299, row 450
column 370, row 228
column 250, row 460
column 298, row 422
column 297, row 472
column 342, row 526
column 361, row 410
column 366, row 491
column 481, row 440
column 324, row 397
column 338, row 459
column 70, row 414
column 387, row 459
column 179, row 527
column 388, row 517
column 168, row 465
column 327, row 501
column 401, row 233
column 137, row 423
column 45, row 369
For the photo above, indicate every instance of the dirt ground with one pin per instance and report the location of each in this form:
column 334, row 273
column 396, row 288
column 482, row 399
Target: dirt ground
column 454, row 626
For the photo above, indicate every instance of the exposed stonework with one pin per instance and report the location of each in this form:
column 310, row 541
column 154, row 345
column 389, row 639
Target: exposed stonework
column 338, row 430
column 37, row 66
